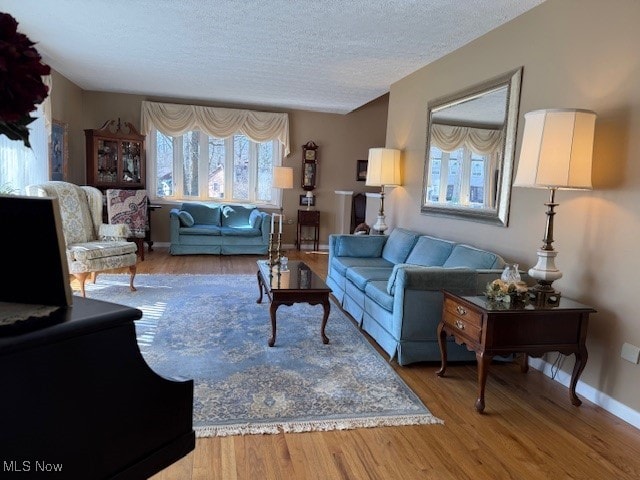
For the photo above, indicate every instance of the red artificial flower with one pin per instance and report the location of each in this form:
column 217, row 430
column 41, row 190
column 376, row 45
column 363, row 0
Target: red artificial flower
column 21, row 86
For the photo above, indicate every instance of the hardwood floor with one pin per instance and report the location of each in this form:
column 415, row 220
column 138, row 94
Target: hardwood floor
column 529, row 429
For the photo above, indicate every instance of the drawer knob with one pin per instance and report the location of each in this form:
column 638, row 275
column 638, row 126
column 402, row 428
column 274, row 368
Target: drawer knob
column 460, row 310
column 459, row 324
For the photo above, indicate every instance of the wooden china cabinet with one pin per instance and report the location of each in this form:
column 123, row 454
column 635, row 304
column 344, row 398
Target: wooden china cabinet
column 115, row 156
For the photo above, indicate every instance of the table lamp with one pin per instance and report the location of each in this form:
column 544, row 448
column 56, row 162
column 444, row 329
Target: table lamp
column 383, row 169
column 282, row 179
column 557, row 149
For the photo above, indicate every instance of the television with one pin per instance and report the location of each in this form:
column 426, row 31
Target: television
column 33, row 242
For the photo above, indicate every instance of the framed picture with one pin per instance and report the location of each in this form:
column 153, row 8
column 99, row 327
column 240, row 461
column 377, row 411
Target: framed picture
column 307, row 201
column 59, row 150
column 361, row 170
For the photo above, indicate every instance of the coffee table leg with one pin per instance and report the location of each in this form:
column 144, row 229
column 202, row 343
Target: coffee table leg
column 259, row 287
column 272, row 310
column 326, row 307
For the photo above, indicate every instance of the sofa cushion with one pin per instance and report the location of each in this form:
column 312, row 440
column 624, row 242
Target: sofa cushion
column 467, row 256
column 360, row 246
column 236, row 215
column 186, row 219
column 200, row 229
column 430, row 252
column 203, row 214
column 360, row 276
column 240, row 231
column 342, row 264
column 399, row 245
column 377, row 291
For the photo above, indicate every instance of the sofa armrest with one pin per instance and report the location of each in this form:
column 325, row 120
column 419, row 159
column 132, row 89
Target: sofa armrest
column 265, row 227
column 459, row 279
column 174, row 225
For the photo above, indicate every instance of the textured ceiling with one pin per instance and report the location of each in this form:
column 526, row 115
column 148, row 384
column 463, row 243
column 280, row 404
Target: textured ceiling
column 320, row 55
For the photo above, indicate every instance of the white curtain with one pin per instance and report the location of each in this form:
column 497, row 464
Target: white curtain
column 21, row 166
column 174, row 120
column 480, row 140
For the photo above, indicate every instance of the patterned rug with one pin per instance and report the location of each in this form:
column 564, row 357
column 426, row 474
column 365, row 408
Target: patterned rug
column 210, row 328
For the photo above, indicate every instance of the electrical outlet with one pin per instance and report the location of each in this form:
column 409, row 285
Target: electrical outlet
column 630, row 353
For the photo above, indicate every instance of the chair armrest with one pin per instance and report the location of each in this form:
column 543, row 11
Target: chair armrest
column 115, row 231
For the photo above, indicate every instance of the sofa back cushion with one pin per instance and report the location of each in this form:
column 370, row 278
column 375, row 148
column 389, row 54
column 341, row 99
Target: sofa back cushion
column 363, row 246
column 466, row 256
column 399, row 245
column 430, row 252
column 203, row 214
column 236, row 216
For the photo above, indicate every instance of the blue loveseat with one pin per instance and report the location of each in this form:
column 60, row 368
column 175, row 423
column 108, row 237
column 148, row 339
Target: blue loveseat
column 392, row 286
column 220, row 229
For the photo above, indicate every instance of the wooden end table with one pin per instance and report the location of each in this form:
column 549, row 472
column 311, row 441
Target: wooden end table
column 298, row 284
column 491, row 328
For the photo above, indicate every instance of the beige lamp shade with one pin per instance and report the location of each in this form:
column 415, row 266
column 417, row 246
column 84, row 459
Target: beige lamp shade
column 557, row 149
column 383, row 167
column 283, row 177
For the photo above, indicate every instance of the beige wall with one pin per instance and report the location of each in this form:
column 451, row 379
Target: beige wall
column 66, row 106
column 342, row 139
column 575, row 53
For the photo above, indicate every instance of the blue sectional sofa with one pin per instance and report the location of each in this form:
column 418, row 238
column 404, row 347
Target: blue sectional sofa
column 219, row 229
column 392, row 286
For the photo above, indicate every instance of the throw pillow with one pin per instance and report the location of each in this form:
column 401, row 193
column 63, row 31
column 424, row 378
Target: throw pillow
column 186, row 220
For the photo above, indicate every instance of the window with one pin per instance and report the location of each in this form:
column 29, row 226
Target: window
column 459, row 177
column 21, row 166
column 198, row 166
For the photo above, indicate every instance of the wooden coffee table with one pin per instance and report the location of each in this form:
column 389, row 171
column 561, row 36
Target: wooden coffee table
column 298, row 284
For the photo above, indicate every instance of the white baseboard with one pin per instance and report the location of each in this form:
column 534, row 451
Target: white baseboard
column 603, row 400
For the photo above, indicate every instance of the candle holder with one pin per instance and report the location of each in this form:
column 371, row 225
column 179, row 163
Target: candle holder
column 275, row 241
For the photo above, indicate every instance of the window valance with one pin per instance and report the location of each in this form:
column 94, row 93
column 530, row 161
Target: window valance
column 173, row 120
column 480, row 140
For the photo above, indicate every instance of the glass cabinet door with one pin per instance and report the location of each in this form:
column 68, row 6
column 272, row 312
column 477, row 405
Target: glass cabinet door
column 107, row 161
column 131, row 171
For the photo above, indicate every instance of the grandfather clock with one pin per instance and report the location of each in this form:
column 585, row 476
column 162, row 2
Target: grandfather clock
column 309, row 165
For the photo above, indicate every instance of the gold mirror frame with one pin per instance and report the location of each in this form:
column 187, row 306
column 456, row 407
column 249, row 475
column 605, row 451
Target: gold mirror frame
column 498, row 213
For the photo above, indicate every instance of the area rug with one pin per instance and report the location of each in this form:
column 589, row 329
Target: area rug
column 210, row 328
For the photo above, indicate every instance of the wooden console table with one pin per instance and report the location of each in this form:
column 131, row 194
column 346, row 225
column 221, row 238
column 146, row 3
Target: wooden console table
column 490, row 328
column 309, row 219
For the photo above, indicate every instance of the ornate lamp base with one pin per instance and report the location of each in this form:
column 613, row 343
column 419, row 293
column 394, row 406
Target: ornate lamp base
column 546, row 273
column 380, row 226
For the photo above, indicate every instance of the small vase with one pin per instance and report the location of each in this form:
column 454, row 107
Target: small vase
column 511, row 273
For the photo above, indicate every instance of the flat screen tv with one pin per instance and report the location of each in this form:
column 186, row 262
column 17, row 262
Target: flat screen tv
column 33, row 244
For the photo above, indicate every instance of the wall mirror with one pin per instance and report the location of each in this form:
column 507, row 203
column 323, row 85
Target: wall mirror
column 471, row 138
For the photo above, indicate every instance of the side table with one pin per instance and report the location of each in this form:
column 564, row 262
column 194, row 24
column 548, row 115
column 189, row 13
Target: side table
column 151, row 207
column 308, row 219
column 491, row 328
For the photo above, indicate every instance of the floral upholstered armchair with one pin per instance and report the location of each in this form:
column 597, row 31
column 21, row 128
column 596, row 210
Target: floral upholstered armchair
column 91, row 245
column 129, row 207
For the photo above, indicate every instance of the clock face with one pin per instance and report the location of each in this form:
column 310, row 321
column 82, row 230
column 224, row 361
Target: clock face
column 309, row 154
